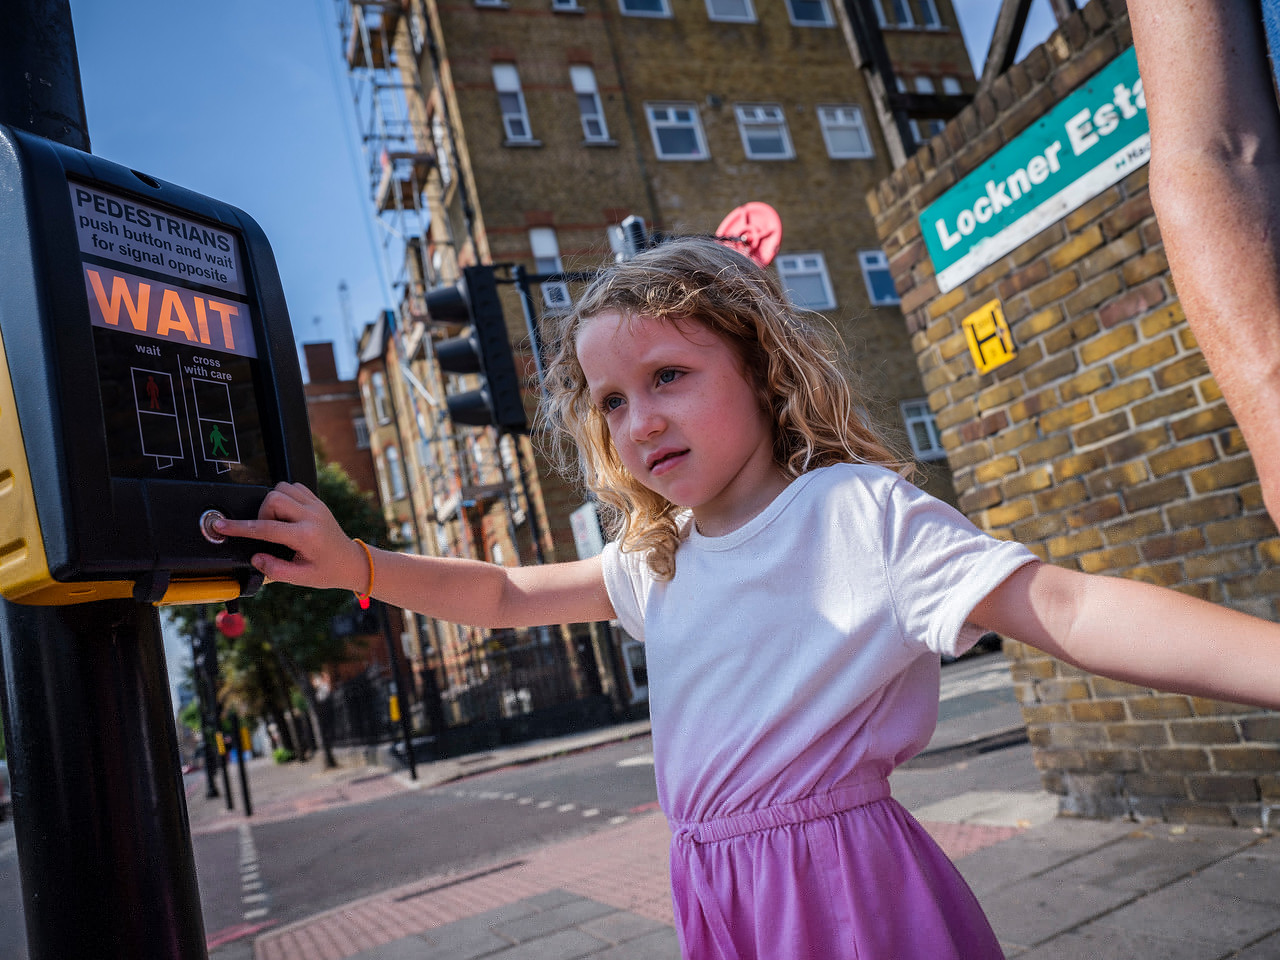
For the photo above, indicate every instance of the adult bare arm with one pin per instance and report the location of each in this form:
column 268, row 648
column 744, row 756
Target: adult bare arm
column 1215, row 187
column 458, row 590
column 1139, row 633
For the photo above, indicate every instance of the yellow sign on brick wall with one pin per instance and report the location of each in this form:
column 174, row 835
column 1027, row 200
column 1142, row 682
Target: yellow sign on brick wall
column 988, row 336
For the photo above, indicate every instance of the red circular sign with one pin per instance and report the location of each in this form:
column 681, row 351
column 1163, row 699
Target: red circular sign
column 231, row 624
column 754, row 229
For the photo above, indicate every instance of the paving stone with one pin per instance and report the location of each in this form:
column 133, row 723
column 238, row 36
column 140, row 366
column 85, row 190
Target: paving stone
column 1037, row 909
column 568, row 944
column 621, row 926
column 1015, row 860
column 569, row 914
column 1151, row 857
column 1098, row 941
column 1244, row 877
column 662, row 944
column 1267, row 949
column 1192, row 910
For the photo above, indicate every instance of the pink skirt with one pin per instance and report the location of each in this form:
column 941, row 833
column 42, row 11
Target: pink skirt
column 846, row 875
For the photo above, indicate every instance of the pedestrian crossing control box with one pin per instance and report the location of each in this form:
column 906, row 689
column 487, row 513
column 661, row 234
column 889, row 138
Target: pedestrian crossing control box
column 148, row 382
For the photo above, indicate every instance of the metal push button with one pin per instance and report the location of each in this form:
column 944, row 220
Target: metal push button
column 207, row 520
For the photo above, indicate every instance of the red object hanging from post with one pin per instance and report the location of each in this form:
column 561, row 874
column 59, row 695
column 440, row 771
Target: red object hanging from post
column 231, row 624
column 754, row 229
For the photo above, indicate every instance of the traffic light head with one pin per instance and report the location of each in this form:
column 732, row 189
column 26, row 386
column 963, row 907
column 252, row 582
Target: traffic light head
column 148, row 381
column 484, row 350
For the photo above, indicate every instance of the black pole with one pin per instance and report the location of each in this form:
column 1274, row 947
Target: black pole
column 99, row 811
column 225, row 761
column 241, row 750
column 100, row 818
column 406, row 731
column 198, row 681
column 40, row 73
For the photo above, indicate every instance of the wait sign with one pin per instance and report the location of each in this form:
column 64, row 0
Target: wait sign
column 1092, row 139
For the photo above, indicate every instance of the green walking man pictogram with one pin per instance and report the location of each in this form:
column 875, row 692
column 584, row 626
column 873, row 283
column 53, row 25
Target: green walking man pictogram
column 216, row 438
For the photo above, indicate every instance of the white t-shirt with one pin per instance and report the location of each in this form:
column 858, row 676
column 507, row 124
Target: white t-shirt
column 800, row 651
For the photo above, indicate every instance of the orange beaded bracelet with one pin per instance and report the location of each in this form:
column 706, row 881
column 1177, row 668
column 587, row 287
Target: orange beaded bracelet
column 363, row 598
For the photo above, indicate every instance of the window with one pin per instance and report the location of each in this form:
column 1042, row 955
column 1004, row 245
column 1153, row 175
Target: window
column 924, row 84
column 395, row 475
column 921, row 430
column 764, row 131
column 809, row 13
column 592, row 113
column 439, row 136
column 515, row 119
column 804, row 278
column 676, row 131
column 922, row 130
column 902, row 13
column 644, row 8
column 381, row 402
column 739, row 11
column 929, row 14
column 565, row 5
column 845, row 131
column 875, row 271
column 362, row 433
column 880, row 17
column 951, row 86
column 546, row 259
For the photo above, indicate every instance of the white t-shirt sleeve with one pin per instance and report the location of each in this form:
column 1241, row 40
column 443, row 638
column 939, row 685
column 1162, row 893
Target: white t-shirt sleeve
column 939, row 566
column 627, row 582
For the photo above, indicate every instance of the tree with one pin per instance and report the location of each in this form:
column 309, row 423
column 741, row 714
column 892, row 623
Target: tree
column 288, row 634
column 295, row 622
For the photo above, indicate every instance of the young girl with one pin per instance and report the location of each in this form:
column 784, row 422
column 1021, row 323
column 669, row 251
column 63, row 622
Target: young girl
column 794, row 594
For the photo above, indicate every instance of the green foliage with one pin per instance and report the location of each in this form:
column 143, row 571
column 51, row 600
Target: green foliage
column 288, row 627
column 295, row 620
column 281, row 755
column 189, row 716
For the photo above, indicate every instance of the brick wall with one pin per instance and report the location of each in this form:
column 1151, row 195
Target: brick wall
column 1105, row 446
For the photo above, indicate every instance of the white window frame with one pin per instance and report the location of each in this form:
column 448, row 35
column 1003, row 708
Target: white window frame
column 930, row 17
column 439, row 136
column 951, row 86
column 923, row 83
column 546, row 259
column 566, row 6
column 762, row 117
column 694, row 124
column 810, row 264
column 875, row 260
column 590, row 107
column 395, row 473
column 829, row 21
column 361, row 427
column 902, row 14
column 918, row 412
column 747, row 16
column 664, row 12
column 881, row 19
column 836, row 117
column 506, row 81
column 381, row 398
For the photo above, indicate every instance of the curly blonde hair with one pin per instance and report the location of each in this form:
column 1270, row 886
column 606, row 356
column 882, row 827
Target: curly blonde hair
column 787, row 358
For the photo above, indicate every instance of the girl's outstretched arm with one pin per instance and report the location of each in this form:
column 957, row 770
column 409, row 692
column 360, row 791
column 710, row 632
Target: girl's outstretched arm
column 460, row 591
column 1138, row 633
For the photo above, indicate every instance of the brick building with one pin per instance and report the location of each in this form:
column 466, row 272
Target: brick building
column 1098, row 438
column 337, row 416
column 529, row 129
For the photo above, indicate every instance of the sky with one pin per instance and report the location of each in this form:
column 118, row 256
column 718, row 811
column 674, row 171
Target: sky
column 248, row 101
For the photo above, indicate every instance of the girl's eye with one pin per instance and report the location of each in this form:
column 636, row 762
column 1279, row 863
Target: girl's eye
column 666, row 376
column 610, row 404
